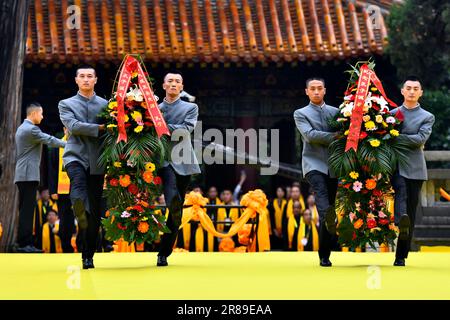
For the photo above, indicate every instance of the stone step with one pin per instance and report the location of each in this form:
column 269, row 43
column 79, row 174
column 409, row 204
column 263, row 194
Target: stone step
column 435, row 220
column 432, row 231
column 441, row 211
column 431, row 241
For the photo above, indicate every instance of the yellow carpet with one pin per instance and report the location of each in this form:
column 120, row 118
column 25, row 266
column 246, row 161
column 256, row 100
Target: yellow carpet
column 274, row 275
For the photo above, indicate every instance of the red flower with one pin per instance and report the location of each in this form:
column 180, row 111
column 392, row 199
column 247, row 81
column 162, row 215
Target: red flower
column 127, row 125
column 364, row 191
column 362, row 135
column 133, row 189
column 347, row 186
column 354, row 235
column 377, row 193
column 157, row 180
column 391, row 218
column 383, row 222
column 399, row 115
column 114, row 182
column 365, row 168
column 121, row 227
column 148, row 124
column 138, row 208
column 371, row 223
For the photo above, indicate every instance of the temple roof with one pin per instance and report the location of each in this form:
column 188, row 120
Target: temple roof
column 205, row 30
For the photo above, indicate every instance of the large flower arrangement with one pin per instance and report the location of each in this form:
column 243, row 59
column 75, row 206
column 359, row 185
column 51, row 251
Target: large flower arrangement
column 132, row 156
column 365, row 164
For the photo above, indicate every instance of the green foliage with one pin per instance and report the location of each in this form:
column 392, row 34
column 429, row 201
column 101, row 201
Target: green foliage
column 419, row 40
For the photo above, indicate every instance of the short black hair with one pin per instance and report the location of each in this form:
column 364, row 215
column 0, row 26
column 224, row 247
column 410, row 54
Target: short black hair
column 411, row 78
column 85, row 66
column 314, row 78
column 32, row 106
column 173, row 72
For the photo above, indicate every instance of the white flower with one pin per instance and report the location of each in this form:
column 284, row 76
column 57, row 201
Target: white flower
column 347, row 110
column 125, row 214
column 347, row 98
column 135, row 94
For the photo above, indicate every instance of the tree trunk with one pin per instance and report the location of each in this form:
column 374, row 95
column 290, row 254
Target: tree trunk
column 13, row 26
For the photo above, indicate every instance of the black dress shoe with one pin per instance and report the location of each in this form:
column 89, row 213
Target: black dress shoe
column 80, row 213
column 330, row 220
column 399, row 262
column 325, row 263
column 162, row 261
column 404, row 226
column 88, row 263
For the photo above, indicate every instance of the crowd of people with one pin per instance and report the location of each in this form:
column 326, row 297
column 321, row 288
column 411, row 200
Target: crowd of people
column 293, row 222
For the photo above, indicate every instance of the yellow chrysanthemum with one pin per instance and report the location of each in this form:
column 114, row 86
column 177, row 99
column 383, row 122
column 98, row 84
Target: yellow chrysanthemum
column 138, row 129
column 109, row 126
column 379, row 119
column 354, row 175
column 385, row 125
column 117, row 164
column 136, row 115
column 370, row 125
column 150, row 167
column 112, row 105
column 127, row 118
column 346, row 132
column 375, row 143
column 394, row 133
column 366, row 118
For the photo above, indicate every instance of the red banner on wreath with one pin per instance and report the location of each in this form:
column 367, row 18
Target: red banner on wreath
column 357, row 114
column 131, row 65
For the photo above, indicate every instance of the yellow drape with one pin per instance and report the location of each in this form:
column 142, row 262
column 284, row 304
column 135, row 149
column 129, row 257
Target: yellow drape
column 46, row 238
column 254, row 201
column 63, row 178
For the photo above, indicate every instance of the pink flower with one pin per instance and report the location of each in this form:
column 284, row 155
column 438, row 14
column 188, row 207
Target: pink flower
column 390, row 120
column 357, row 186
column 352, row 216
column 381, row 215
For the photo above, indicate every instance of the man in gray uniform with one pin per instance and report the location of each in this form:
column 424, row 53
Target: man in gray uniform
column 312, row 122
column 79, row 116
column 29, row 141
column 181, row 118
column 407, row 182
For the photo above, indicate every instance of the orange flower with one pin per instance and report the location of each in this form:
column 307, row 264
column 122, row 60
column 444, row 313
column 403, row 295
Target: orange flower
column 143, row 227
column 144, row 204
column 226, row 245
column 147, row 176
column 107, row 214
column 358, row 224
column 125, row 181
column 371, row 184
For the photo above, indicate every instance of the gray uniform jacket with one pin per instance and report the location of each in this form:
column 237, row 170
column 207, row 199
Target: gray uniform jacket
column 79, row 116
column 415, row 131
column 312, row 122
column 181, row 118
column 29, row 141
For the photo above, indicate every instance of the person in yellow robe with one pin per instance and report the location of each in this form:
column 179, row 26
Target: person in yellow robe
column 311, row 205
column 213, row 199
column 276, row 209
column 226, row 216
column 296, row 195
column 44, row 204
column 51, row 242
column 302, row 232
